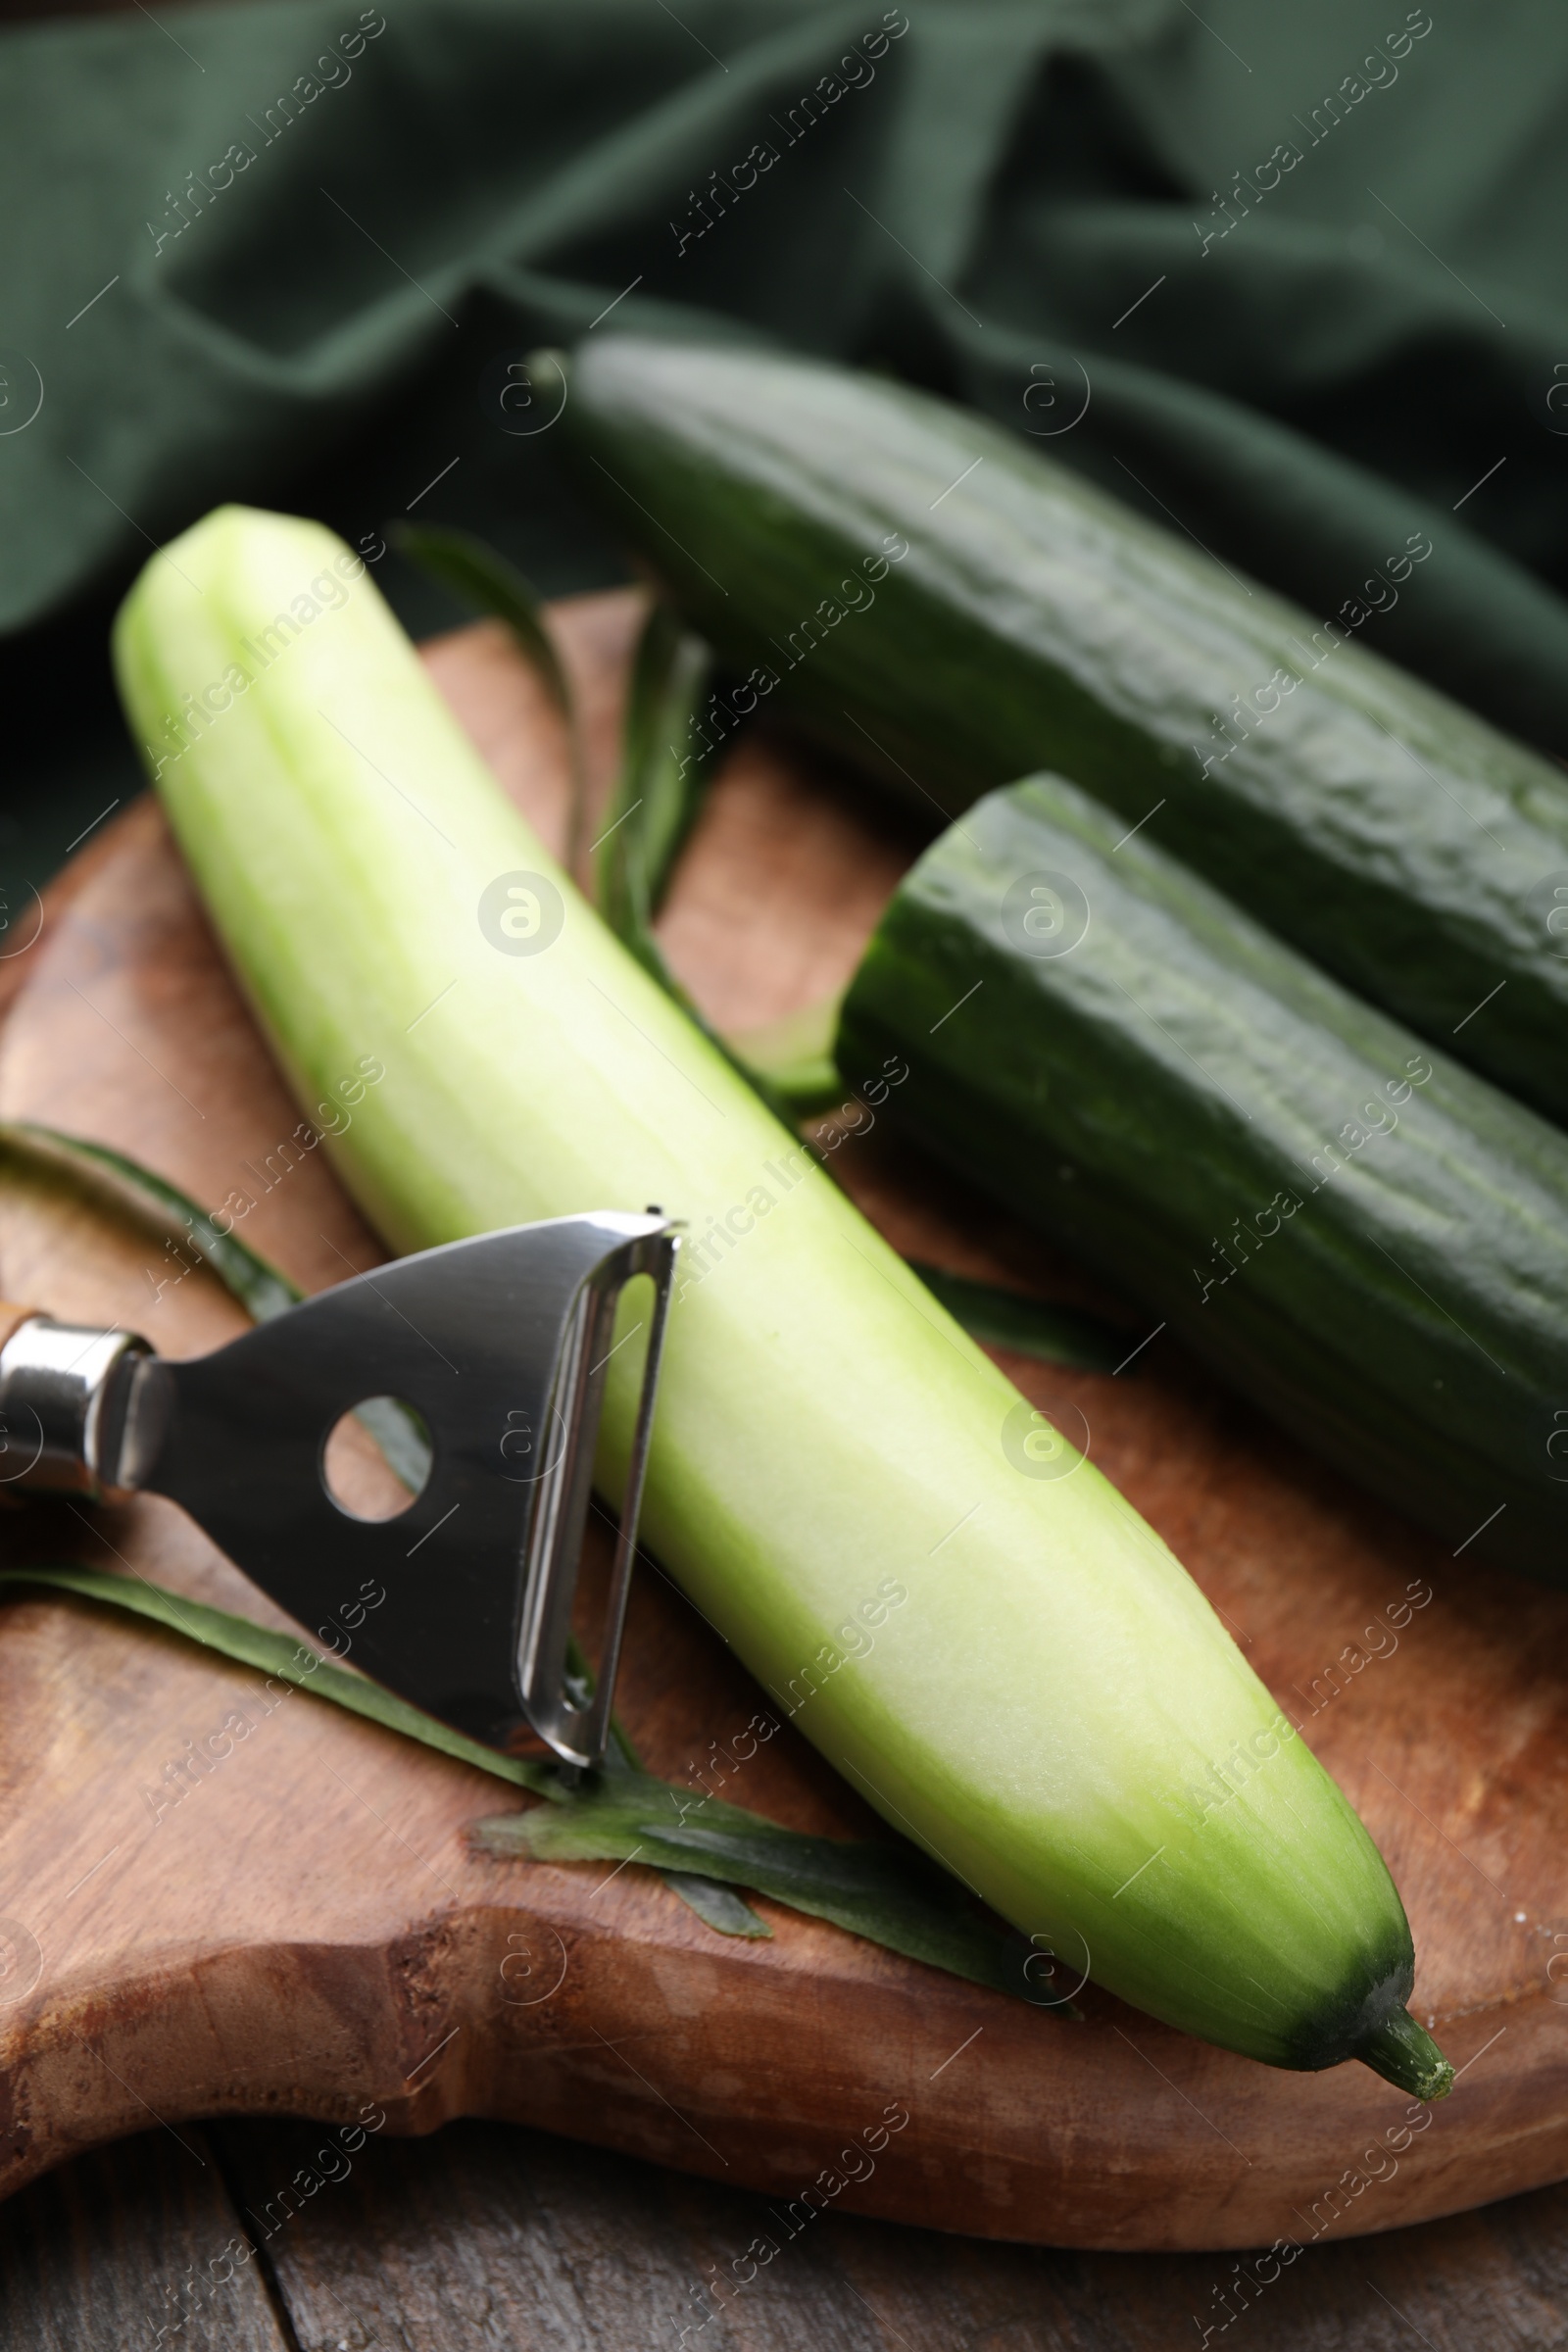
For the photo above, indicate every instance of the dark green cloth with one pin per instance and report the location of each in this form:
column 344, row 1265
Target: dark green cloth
column 1007, row 202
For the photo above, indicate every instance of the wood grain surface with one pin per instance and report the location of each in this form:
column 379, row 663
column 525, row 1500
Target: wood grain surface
column 488, row 2239
column 299, row 1926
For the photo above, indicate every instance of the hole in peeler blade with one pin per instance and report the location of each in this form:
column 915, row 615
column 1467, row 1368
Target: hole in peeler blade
column 375, row 1460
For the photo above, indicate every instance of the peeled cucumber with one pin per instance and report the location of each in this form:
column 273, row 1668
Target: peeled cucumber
column 962, row 1614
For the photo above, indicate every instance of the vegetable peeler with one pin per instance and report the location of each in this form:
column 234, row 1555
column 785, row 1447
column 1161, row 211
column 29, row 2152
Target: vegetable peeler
column 501, row 1346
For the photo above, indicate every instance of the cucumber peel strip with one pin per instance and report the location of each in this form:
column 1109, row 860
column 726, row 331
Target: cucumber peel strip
column 795, row 1055
column 260, row 1288
column 274, row 1653
column 473, row 572
column 620, row 1813
column 245, row 1274
column 1057, row 1335
column 655, row 803
column 659, row 791
column 890, row 1895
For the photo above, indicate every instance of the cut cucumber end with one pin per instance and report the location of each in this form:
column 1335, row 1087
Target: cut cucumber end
column 1405, row 2053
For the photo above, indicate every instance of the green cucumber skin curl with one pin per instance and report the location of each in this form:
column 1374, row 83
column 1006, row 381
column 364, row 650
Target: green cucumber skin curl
column 1036, row 621
column 1047, row 1708
column 1407, row 1316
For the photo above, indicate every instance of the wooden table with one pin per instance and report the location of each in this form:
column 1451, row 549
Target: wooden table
column 488, row 2237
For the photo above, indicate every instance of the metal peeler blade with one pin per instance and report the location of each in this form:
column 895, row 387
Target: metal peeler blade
column 502, row 1345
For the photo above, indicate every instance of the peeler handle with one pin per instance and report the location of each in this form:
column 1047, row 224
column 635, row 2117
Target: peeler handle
column 65, row 1399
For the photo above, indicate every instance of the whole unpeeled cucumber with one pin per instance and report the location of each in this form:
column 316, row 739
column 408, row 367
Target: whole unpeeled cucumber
column 963, row 1615
column 954, row 609
column 1365, row 1239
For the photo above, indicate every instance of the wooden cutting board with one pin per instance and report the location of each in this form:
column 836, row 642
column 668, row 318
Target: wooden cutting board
column 298, row 1925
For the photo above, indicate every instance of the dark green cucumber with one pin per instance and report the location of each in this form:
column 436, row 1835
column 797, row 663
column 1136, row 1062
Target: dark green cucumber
column 1361, row 1236
column 1033, row 622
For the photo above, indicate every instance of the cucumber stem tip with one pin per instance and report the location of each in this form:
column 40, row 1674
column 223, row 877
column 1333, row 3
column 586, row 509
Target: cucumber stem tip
column 1405, row 2053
